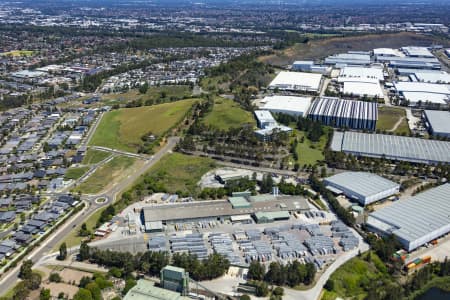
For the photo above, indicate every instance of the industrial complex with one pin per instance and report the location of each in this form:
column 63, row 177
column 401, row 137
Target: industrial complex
column 391, row 147
column 297, row 82
column 417, row 220
column 363, row 187
column 344, row 113
column 291, row 105
column 437, row 122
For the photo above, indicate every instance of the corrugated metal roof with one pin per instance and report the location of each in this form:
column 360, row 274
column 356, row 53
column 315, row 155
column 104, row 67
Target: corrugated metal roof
column 362, row 183
column 439, row 120
column 417, row 216
column 393, row 147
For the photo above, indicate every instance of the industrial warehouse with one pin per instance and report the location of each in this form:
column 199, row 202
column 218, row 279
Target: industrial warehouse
column 265, row 209
column 391, row 147
column 291, row 105
column 364, row 187
column 297, row 82
column 361, row 81
column 344, row 113
column 417, row 220
column 420, row 93
column 437, row 122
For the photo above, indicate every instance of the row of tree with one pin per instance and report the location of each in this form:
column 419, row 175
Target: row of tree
column 151, row 263
column 292, row 274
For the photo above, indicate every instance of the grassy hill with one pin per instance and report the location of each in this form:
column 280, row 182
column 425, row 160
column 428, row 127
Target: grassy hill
column 228, row 114
column 123, row 128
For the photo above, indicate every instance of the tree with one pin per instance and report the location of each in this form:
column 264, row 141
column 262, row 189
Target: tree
column 84, row 281
column 95, row 290
column 21, row 291
column 62, row 251
column 329, row 285
column 45, row 294
column 256, row 271
column 245, row 297
column 278, row 291
column 83, row 294
column 143, row 88
column 54, row 277
column 84, row 251
column 25, row 270
column 129, row 284
column 34, row 282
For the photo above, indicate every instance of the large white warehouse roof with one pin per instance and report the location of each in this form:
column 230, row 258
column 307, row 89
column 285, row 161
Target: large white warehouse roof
column 361, row 74
column 363, row 186
column 292, row 105
column 297, row 81
column 417, row 220
column 417, row 51
column 363, row 88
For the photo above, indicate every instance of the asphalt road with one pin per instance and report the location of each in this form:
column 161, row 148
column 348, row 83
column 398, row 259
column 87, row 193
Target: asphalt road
column 9, row 279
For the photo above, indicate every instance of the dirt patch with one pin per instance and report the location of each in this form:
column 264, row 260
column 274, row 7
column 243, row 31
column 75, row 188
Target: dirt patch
column 70, row 275
column 318, row 49
column 57, row 288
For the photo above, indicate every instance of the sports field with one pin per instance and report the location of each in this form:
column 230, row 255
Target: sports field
column 124, row 128
column 228, row 114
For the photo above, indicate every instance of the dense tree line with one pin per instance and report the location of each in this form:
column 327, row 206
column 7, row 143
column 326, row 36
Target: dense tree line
column 291, row 274
column 30, row 281
column 151, row 263
column 314, row 130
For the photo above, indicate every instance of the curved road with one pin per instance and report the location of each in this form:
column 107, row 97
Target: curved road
column 9, row 279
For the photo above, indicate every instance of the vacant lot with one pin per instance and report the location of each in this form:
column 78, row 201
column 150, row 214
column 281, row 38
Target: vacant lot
column 156, row 94
column 123, row 128
column 351, row 278
column 109, row 173
column 392, row 119
column 179, row 172
column 309, row 153
column 95, row 156
column 318, row 49
column 75, row 173
column 228, row 114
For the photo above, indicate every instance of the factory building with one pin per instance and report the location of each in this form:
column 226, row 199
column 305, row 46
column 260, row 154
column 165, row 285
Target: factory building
column 344, row 113
column 391, row 147
column 297, row 82
column 364, row 187
column 413, row 51
column 349, row 59
column 384, row 53
column 220, row 210
column 291, row 105
column 268, row 125
column 437, row 122
column 417, row 220
column 411, row 62
column 361, row 81
column 424, row 94
column 309, row 66
column 147, row 290
column 175, row 279
column 429, row 76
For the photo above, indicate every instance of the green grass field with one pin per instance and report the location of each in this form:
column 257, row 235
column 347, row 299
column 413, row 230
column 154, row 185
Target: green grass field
column 95, row 156
column 107, row 174
column 75, row 173
column 310, row 152
column 351, row 277
column 123, row 128
column 153, row 94
column 228, row 114
column 389, row 116
column 179, row 172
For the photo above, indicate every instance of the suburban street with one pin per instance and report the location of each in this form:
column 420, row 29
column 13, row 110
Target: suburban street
column 10, row 278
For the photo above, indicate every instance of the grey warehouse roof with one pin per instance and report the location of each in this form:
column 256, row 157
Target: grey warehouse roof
column 417, row 216
column 392, row 147
column 362, row 183
column 439, row 120
column 352, row 109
